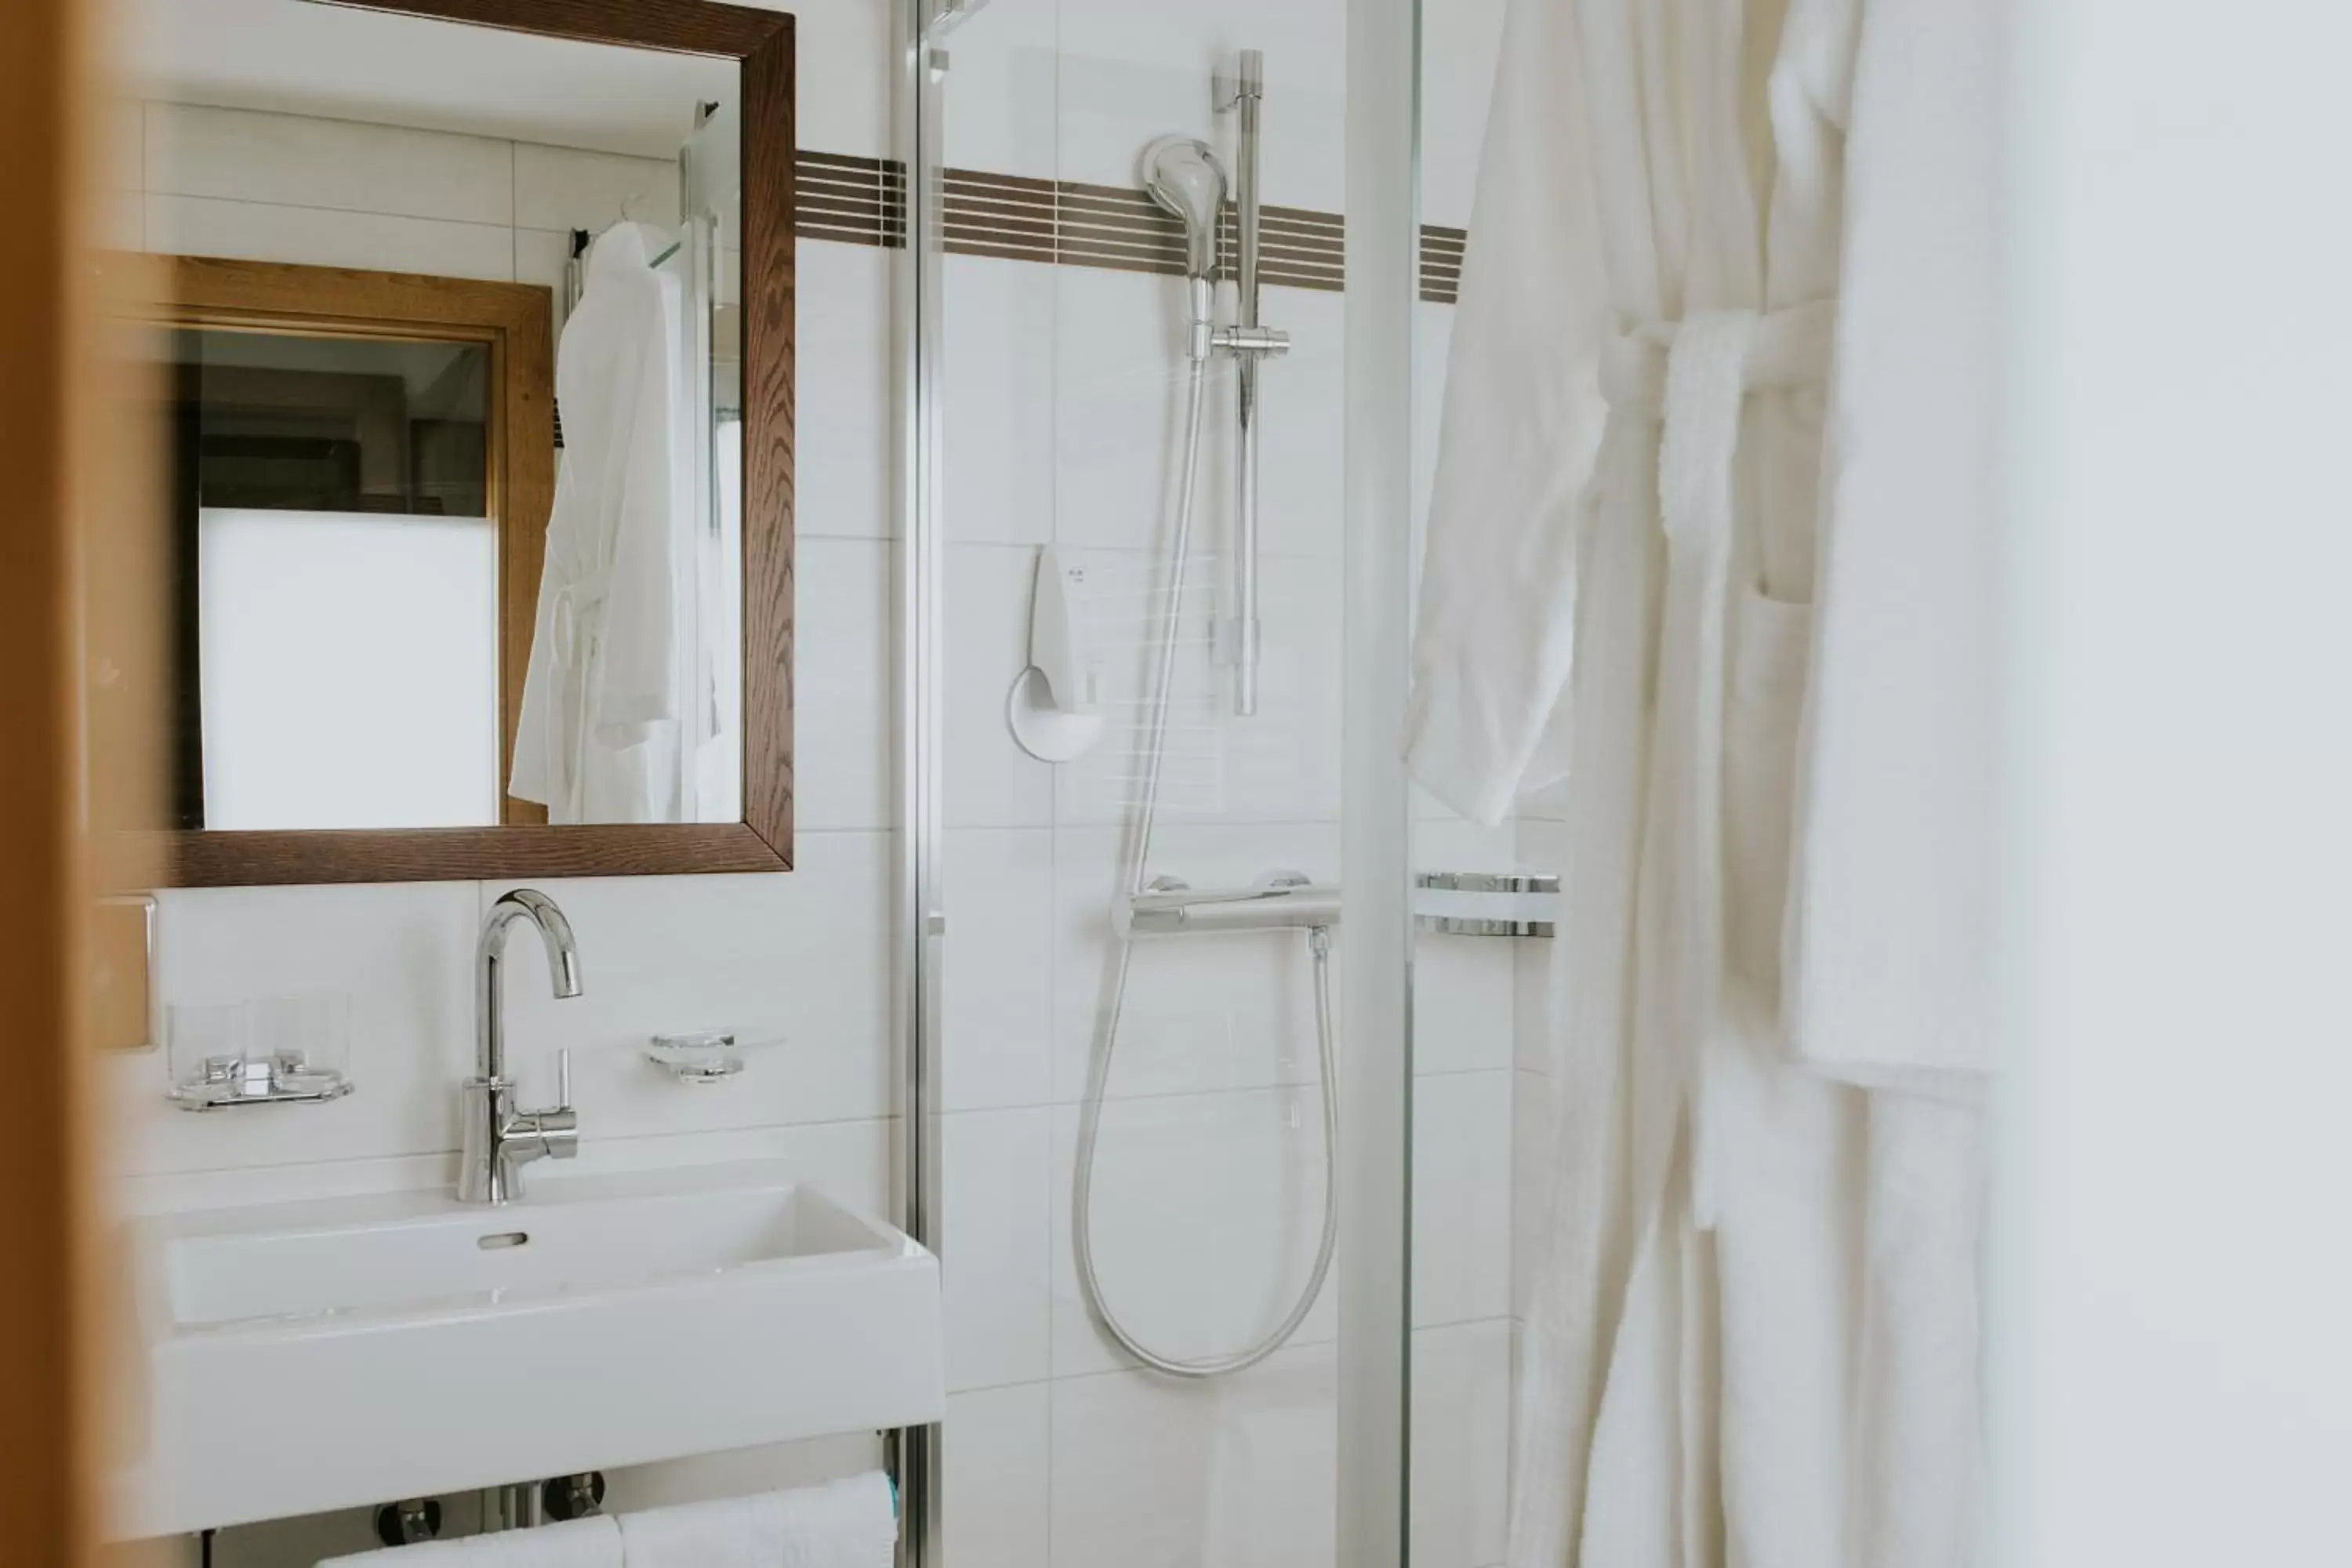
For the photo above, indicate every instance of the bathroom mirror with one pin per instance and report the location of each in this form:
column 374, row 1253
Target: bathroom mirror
column 471, row 352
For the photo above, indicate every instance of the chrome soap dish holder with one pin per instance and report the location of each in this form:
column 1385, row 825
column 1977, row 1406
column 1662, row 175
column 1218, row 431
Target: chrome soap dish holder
column 701, row 1055
column 267, row 1050
column 282, row 1079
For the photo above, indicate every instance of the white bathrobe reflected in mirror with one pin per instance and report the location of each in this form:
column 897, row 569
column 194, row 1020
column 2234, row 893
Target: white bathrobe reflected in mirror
column 1711, row 541
column 597, row 739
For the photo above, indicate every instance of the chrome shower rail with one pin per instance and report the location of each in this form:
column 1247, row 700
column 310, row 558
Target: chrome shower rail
column 1249, row 343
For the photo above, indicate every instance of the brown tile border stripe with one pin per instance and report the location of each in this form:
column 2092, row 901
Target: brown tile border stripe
column 863, row 201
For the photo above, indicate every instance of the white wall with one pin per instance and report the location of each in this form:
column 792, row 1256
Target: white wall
column 1059, row 404
column 2172, row 1356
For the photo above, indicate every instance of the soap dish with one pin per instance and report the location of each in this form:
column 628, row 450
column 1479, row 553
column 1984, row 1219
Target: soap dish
column 704, row 1056
column 284, row 1078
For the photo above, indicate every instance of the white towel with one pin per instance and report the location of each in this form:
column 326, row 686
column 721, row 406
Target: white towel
column 581, row 1544
column 842, row 1524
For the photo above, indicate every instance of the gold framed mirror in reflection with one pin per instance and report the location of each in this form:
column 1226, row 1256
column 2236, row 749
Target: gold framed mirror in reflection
column 472, row 344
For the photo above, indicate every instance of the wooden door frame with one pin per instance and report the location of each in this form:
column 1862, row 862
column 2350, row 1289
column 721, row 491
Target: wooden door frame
column 48, row 1445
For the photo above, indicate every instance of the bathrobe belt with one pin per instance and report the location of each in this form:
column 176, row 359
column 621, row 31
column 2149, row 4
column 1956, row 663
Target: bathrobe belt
column 578, row 624
column 1691, row 379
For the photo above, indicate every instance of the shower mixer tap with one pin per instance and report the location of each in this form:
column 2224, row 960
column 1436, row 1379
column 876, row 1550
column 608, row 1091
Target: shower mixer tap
column 1275, row 901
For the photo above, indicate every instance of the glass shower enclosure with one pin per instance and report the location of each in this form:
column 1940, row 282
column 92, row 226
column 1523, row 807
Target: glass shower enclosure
column 1161, row 304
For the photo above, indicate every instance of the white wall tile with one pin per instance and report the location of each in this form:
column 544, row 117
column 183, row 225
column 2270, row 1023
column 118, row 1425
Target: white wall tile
column 122, row 145
column 1134, row 69
column 1461, row 1443
column 567, row 188
column 848, row 70
column 1464, row 986
column 1203, row 1012
column 1120, row 414
column 1005, row 113
column 1207, row 1213
column 1464, row 1003
column 291, row 159
column 842, row 703
column 1548, row 803
column 850, row 1161
column 998, row 1468
column 800, row 959
column 118, row 220
column 1462, row 1198
column 996, row 1260
column 1301, row 453
column 998, row 382
column 1236, row 1473
column 845, row 428
column 1280, row 765
column 402, row 954
column 1533, row 1116
column 991, row 781
column 258, row 231
column 1539, row 966
column 1124, row 607
column 998, row 1001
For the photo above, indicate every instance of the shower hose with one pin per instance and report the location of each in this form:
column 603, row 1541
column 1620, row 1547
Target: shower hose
column 1318, row 940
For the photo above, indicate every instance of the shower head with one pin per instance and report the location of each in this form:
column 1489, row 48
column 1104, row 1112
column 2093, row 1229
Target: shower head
column 1184, row 176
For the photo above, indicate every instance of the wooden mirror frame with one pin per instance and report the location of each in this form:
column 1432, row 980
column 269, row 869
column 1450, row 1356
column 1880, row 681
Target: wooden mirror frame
column 761, row 43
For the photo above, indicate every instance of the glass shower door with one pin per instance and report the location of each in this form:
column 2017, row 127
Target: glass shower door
column 1135, row 912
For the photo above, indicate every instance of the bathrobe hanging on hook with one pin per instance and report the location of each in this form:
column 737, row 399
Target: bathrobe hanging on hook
column 1711, row 542
column 598, row 736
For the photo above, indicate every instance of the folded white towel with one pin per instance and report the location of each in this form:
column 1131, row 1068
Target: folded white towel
column 843, row 1524
column 581, row 1544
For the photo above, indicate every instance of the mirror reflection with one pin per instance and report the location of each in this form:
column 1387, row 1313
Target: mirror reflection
column 431, row 569
column 333, row 566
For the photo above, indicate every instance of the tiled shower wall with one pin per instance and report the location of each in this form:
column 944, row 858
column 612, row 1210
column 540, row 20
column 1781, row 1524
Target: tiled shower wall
column 1060, row 405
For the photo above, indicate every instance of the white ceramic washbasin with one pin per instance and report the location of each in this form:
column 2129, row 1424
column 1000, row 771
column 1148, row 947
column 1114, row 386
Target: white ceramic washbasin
column 317, row 1355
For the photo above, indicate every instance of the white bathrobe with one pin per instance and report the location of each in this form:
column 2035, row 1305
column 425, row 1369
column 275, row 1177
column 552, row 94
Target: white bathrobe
column 1711, row 538
column 598, row 737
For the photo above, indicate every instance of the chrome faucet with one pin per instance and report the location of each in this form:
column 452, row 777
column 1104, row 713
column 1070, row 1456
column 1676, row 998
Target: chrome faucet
column 499, row 1139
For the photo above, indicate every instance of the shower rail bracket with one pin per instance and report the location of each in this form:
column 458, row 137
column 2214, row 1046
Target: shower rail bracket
column 1246, row 79
column 1254, row 342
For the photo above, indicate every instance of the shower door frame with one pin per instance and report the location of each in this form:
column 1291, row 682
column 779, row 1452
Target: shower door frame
column 918, row 139
column 1374, row 1164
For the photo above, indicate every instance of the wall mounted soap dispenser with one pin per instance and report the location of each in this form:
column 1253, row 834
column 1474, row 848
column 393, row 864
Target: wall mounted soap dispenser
column 1056, row 708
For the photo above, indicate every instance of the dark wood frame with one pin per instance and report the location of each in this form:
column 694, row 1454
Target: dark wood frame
column 761, row 43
